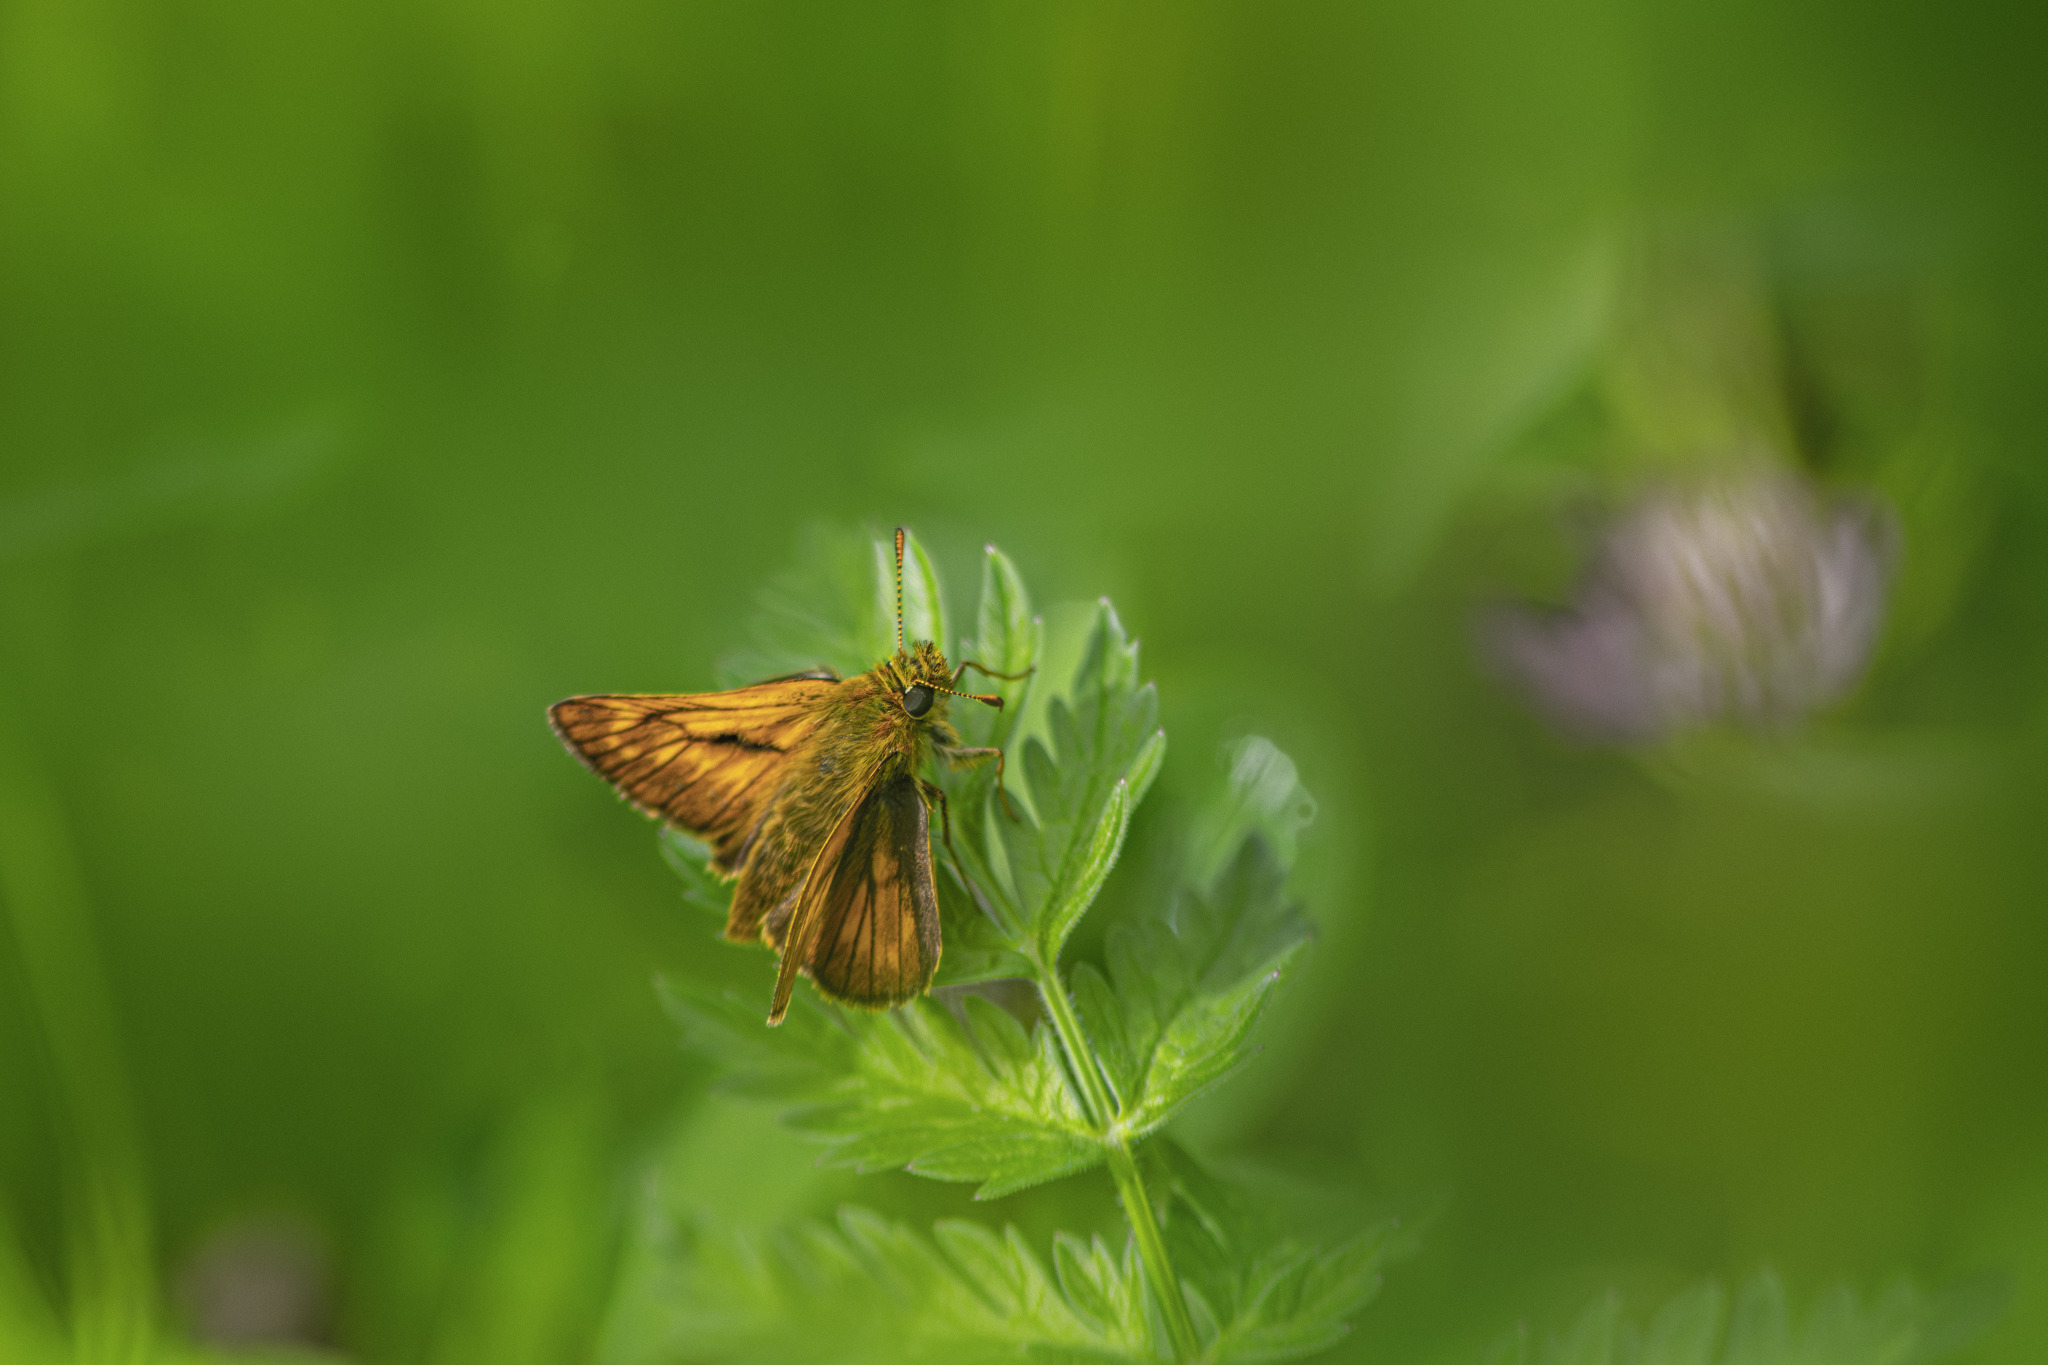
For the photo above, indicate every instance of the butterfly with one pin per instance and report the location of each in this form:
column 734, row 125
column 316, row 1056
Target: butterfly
column 809, row 790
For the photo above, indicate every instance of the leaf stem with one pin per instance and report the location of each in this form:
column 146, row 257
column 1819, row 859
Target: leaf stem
column 1059, row 1007
column 1123, row 1167
column 1159, row 1271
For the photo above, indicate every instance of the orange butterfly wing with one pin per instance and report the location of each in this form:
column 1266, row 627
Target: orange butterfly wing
column 706, row 762
column 866, row 926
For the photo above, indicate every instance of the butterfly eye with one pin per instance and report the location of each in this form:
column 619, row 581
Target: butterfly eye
column 917, row 699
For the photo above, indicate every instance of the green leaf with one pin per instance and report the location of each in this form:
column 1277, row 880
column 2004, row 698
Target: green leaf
column 1041, row 870
column 977, row 948
column 1007, row 640
column 1175, row 1013
column 975, row 1098
column 1263, row 797
column 1038, row 1316
column 798, row 1061
column 1105, row 1293
column 1080, row 893
column 1902, row 1325
column 826, row 612
column 1006, row 636
column 868, row 1291
column 1295, row 1302
column 924, row 608
column 1258, row 1295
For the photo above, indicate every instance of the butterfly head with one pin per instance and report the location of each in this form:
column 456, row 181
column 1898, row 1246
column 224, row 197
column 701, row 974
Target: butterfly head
column 920, row 672
column 920, row 678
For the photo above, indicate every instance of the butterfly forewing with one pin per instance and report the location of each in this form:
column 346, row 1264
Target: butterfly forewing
column 707, row 762
column 867, row 926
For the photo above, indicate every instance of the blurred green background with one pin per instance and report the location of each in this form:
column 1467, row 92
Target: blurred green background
column 371, row 376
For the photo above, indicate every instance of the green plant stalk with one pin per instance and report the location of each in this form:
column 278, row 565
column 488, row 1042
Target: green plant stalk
column 1123, row 1167
column 1159, row 1271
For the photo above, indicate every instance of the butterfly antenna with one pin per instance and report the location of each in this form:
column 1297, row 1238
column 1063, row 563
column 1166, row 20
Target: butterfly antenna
column 986, row 698
column 899, row 589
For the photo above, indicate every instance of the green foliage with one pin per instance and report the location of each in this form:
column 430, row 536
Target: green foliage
column 968, row 1097
column 837, row 609
column 1036, row 876
column 967, row 1091
column 1006, row 634
column 510, row 1266
column 924, row 603
column 975, row 1099
column 868, row 1291
column 1174, row 1014
column 690, row 860
column 1902, row 1325
column 380, row 373
column 1263, row 797
column 1257, row 1292
column 964, row 1090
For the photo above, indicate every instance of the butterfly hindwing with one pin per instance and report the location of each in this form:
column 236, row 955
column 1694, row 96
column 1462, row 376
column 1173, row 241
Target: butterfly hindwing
column 707, row 762
column 878, row 935
column 867, row 925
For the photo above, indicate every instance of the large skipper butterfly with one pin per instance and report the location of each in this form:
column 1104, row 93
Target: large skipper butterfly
column 808, row 789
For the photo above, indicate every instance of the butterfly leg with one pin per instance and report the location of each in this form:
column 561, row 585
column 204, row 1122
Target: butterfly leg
column 967, row 757
column 988, row 672
column 934, row 792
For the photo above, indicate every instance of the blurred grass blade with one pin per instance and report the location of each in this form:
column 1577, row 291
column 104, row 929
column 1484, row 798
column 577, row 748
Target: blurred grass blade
column 109, row 1255
column 526, row 1284
column 1686, row 1329
column 28, row 1330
